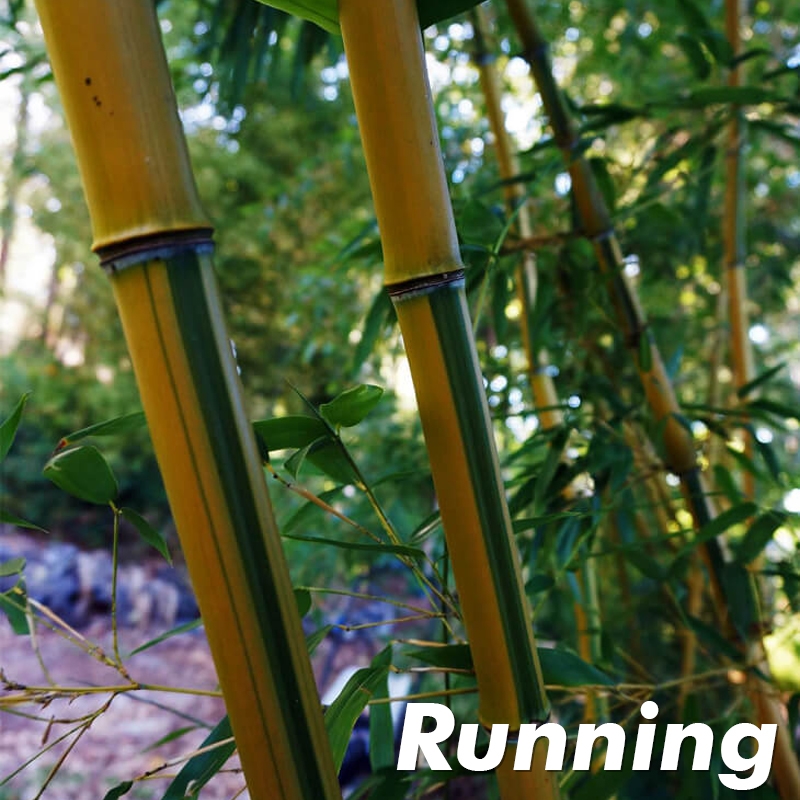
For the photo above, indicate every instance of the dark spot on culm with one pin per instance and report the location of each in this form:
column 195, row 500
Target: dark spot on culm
column 87, row 81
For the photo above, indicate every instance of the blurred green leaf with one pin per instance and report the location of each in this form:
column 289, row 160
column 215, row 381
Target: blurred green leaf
column 758, row 535
column 8, row 428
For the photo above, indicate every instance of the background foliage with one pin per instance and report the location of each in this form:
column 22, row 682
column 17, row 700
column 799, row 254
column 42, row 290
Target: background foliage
column 274, row 141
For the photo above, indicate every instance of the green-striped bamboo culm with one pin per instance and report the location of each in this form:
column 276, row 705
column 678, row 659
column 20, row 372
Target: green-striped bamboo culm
column 679, row 449
column 154, row 241
column 424, row 275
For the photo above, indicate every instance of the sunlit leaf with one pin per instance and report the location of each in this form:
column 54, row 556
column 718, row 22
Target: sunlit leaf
column 351, row 406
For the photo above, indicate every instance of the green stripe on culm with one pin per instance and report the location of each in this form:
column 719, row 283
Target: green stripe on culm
column 203, row 353
column 451, row 316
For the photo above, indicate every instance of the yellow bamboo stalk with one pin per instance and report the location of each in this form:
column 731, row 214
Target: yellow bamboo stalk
column 154, row 240
column 733, row 237
column 422, row 264
column 541, row 382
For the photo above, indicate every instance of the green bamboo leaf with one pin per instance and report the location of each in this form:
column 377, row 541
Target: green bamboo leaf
column 381, row 726
column 759, row 380
column 171, row 737
column 313, row 640
column 717, row 95
column 327, row 455
column 759, row 534
column 303, row 599
column 770, row 459
column 84, row 473
column 377, row 549
column 8, row 428
column 722, row 522
column 281, row 433
column 351, row 406
column 118, row 791
column 724, row 480
column 380, row 314
column 185, row 628
column 696, row 55
column 448, row 656
column 341, row 715
column 548, row 470
column 308, row 513
column 200, row 769
column 325, row 12
column 563, row 668
column 14, row 604
column 12, row 519
column 693, row 14
column 604, row 182
column 649, row 567
column 779, row 409
column 559, row 667
column 111, row 427
column 147, row 532
column 11, row 567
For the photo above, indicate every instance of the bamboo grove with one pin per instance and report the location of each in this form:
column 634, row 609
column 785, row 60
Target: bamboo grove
column 554, row 526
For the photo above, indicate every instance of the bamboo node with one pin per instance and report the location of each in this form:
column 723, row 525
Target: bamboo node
column 130, row 252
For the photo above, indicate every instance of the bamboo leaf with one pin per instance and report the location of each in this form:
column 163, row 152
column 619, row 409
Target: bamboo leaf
column 185, row 628
column 377, row 549
column 325, row 13
column 563, row 668
column 693, row 14
column 8, row 428
column 11, row 567
column 313, row 640
column 303, row 599
column 559, row 667
column 328, row 456
column 694, row 52
column 111, row 427
column 381, row 313
column 14, row 604
column 200, row 769
column 717, row 95
column 351, row 406
column 604, row 182
column 548, row 470
column 783, row 410
column 341, row 715
column 724, row 480
column 759, row 380
column 305, row 515
column 12, row 519
column 281, row 433
column 381, row 726
column 147, row 532
column 118, row 791
column 84, row 473
column 722, row 522
column 758, row 535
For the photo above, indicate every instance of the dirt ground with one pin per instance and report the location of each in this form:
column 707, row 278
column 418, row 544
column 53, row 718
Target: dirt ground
column 119, row 744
